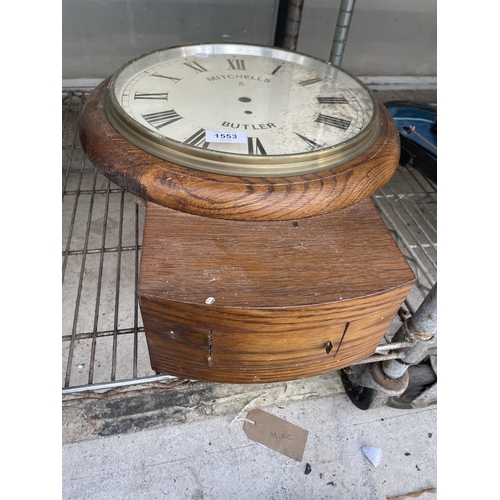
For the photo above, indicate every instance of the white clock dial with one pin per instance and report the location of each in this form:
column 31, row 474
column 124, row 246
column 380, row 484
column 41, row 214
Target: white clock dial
column 242, row 109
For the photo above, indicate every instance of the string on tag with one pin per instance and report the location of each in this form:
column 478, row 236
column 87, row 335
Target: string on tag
column 239, row 419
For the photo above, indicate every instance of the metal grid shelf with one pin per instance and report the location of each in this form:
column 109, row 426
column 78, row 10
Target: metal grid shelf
column 408, row 206
column 102, row 228
column 102, row 333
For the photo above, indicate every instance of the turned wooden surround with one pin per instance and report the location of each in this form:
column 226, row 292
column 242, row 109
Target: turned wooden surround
column 232, row 197
column 246, row 279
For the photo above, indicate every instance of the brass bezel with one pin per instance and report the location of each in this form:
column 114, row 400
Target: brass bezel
column 240, row 164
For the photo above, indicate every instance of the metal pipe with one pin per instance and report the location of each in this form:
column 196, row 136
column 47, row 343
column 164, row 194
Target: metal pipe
column 292, row 26
column 421, row 329
column 341, row 30
column 423, row 324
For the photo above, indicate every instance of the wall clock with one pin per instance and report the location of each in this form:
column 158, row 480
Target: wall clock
column 263, row 257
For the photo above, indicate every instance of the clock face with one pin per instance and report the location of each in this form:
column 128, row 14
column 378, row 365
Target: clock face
column 242, row 109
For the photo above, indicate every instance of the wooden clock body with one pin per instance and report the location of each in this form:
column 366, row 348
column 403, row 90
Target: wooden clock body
column 249, row 280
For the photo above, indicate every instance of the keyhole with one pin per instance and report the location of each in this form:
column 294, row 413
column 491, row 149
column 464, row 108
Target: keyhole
column 328, row 347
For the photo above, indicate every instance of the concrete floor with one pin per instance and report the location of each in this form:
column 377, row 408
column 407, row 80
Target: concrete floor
column 178, row 439
column 212, row 458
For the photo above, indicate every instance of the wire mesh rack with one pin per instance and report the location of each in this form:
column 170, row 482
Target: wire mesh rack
column 103, row 341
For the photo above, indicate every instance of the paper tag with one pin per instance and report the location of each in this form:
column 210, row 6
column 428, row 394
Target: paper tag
column 276, row 433
column 225, row 136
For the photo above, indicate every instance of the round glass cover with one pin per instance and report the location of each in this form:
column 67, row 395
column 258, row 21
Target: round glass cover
column 241, row 109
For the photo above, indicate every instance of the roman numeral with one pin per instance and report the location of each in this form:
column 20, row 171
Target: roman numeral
column 197, row 139
column 236, row 64
column 310, row 82
column 154, row 95
column 332, row 100
column 162, row 118
column 255, row 146
column 197, row 67
column 276, row 70
column 333, row 122
column 308, row 141
column 168, row 77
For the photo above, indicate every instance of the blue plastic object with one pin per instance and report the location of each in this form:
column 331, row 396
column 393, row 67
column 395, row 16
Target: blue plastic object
column 417, row 126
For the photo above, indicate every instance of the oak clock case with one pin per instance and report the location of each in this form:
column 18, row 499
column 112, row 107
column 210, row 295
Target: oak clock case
column 263, row 258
